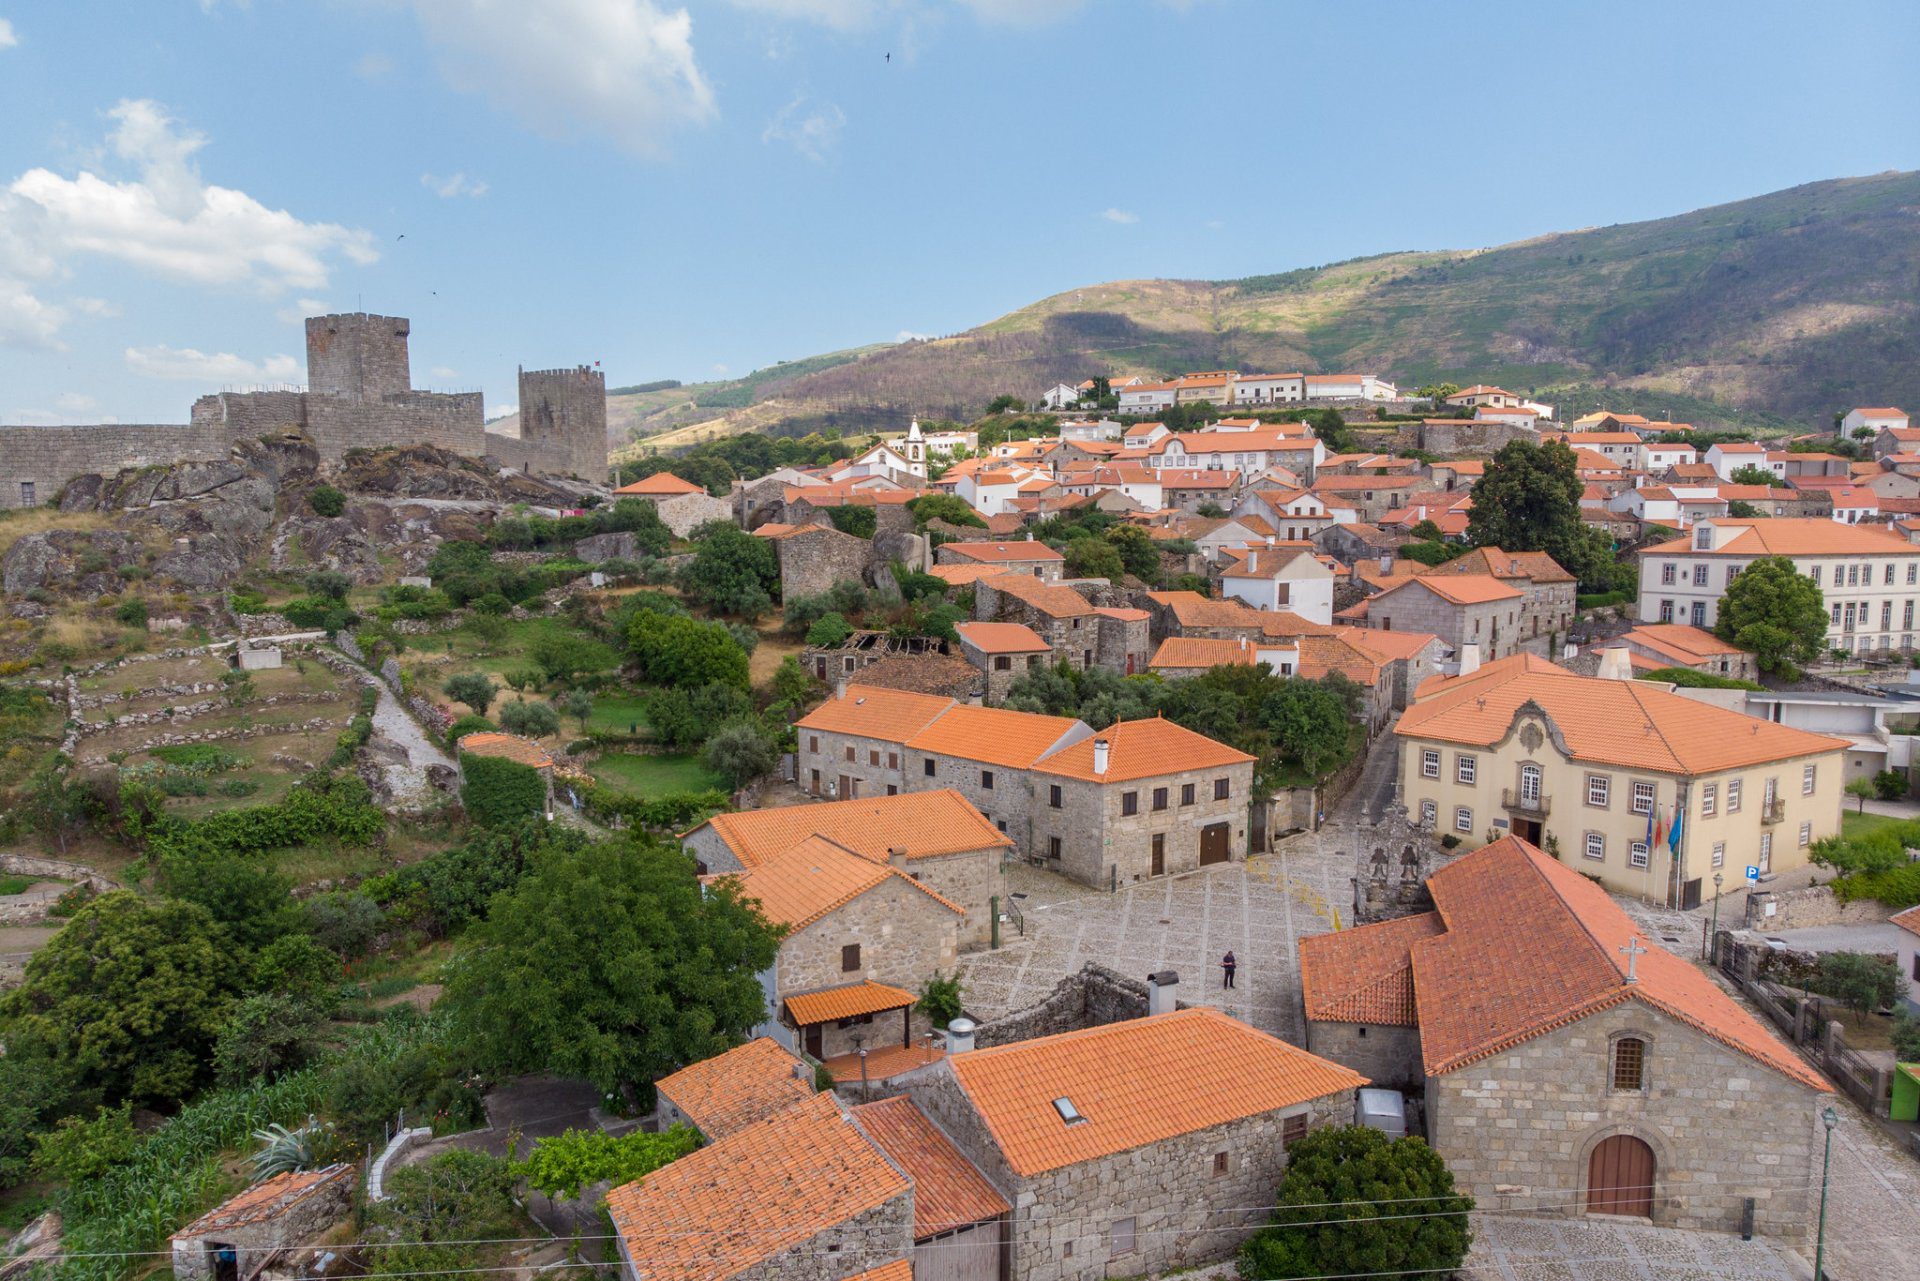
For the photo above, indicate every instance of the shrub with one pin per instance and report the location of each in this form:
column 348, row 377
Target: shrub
column 319, row 612
column 1688, row 678
column 940, row 999
column 533, row 720
column 1858, row 981
column 344, row 921
column 475, row 689
column 263, row 1036
column 829, row 631
column 741, row 751
column 132, row 611
column 682, row 719
column 329, row 583
column 500, row 792
column 469, row 724
column 562, row 1165
column 79, row 1151
column 1889, row 785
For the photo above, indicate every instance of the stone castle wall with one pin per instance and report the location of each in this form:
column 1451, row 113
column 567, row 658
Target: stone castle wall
column 451, row 421
column 564, row 412
column 46, row 458
column 359, row 355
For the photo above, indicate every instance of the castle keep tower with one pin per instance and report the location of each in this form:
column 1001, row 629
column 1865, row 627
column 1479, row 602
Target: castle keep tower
column 358, row 355
column 563, row 420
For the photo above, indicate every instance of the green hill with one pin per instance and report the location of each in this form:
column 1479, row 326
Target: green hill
column 1779, row 310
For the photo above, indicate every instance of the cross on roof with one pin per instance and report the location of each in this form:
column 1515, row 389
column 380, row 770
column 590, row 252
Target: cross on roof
column 1634, row 952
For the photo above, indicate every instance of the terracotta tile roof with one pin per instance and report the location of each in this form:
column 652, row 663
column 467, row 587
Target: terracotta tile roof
column 732, row 1090
column 946, row 675
column 914, row 824
column 508, row 747
column 661, row 484
column 1465, row 467
column 1881, row 411
column 1139, row 749
column 1795, row 536
column 994, row 735
column 1389, row 645
column 1463, row 589
column 1339, row 484
column 1122, row 613
column 1184, row 653
column 1365, row 975
column 872, row 712
column 1538, row 566
column 1908, row 920
column 898, row 1270
column 798, row 886
column 1284, row 624
column 1678, row 640
column 948, row 1192
column 1621, row 723
column 774, row 529
column 1050, row 599
column 1530, row 945
column 802, row 1170
column 1692, row 471
column 1191, row 609
column 961, row 575
column 1004, row 553
column 265, row 1199
column 1137, row 1082
column 848, row 1001
column 1320, row 655
column 1002, row 638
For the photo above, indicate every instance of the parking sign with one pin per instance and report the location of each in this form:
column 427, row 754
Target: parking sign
column 1753, row 873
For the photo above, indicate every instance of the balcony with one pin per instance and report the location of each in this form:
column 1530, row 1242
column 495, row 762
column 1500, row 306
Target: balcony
column 1773, row 811
column 1538, row 806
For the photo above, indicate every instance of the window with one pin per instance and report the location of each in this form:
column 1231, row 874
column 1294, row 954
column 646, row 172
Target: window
column 27, row 498
column 1123, row 1236
column 1599, row 790
column 1814, row 573
column 1293, row 1129
column 1629, row 1063
column 1429, row 813
column 1806, row 835
column 1719, row 853
column 1833, row 615
column 1643, row 798
column 850, row 755
column 1053, row 796
column 893, row 760
column 873, row 756
column 1697, row 613
column 1596, row 847
column 1187, row 791
column 1666, row 611
column 1700, row 575
column 926, row 767
column 1733, row 796
column 1465, row 769
column 849, row 958
column 1807, row 776
column 1766, row 851
column 1667, row 570
column 1733, row 571
column 892, row 790
column 1709, row 799
column 1002, row 663
column 1637, row 854
column 1053, row 847
column 1219, row 1164
column 1222, row 789
column 1429, row 763
column 1463, row 819
column 1159, row 798
column 1886, row 615
column 1888, row 579
column 1129, row 802
column 986, row 780
column 1913, row 573
column 1853, row 575
column 813, row 742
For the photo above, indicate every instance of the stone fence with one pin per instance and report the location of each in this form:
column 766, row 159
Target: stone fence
column 187, row 711
column 58, row 869
column 1809, row 907
column 1091, row 997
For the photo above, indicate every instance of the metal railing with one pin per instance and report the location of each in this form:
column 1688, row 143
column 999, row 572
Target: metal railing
column 1773, row 811
column 1513, row 799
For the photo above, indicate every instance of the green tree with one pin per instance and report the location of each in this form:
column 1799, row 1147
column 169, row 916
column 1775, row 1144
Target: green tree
column 1528, row 500
column 500, row 792
column 675, row 650
column 130, row 995
column 562, row 1165
column 78, row 1150
column 1354, row 1202
column 1775, row 612
column 437, row 1211
column 475, row 689
column 1137, row 552
column 683, row 719
column 247, row 899
column 1094, row 558
column 1309, row 722
column 1751, row 475
column 829, row 631
column 941, row 999
column 328, row 583
column 326, row 500
column 610, row 963
column 1741, row 509
column 1004, row 403
column 1858, row 981
column 1889, row 785
column 567, row 656
column 533, row 720
column 34, row 1090
column 951, row 508
column 741, row 751
column 264, row 1035
column 1862, row 790
column 732, row 571
column 861, row 522
column 576, row 703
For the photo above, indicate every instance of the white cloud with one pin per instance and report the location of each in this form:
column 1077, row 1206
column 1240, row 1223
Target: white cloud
column 1121, row 216
column 847, row 15
column 622, row 68
column 167, row 222
column 811, row 131
column 842, row 15
column 7, row 37
column 454, row 184
column 75, row 402
column 909, row 335
column 373, row 65
column 185, row 364
column 1022, row 13
column 46, row 418
column 443, row 373
column 722, row 370
column 502, row 411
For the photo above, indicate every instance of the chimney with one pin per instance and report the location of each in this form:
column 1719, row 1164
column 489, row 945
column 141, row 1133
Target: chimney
column 1270, row 540
column 1160, row 985
column 1100, row 750
column 960, row 1035
column 1243, row 642
column 840, row 687
column 1386, row 563
column 1253, row 561
column 1614, row 664
column 1469, row 657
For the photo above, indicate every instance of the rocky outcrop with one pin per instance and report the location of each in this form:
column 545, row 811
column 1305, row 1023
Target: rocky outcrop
column 77, row 562
column 426, row 471
column 616, row 546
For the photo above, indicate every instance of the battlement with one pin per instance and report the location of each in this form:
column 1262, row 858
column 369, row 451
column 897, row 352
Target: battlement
column 358, row 354
column 563, row 422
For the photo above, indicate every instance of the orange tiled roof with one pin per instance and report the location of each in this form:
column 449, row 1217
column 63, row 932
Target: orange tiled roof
column 961, row 575
column 1622, row 723
column 732, row 1090
column 1364, row 975
column 801, row 1170
column 1908, row 920
column 1191, row 609
column 1530, row 945
column 1463, row 589
column 1183, row 653
column 1004, row 553
column 661, row 484
column 1284, row 624
column 1538, row 566
column 1681, row 641
column 912, row 824
column 265, row 1199
column 1389, row 645
column 1050, row 599
column 1135, row 1083
column 798, row 886
column 871, row 712
column 508, row 747
column 993, row 735
column 1144, row 748
column 848, row 1001
column 1002, row 638
column 1794, row 536
column 898, row 1270
column 948, row 1192
column 1320, row 655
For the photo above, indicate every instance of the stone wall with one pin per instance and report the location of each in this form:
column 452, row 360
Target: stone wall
column 58, row 869
column 1096, row 835
column 1008, row 804
column 858, row 1244
column 339, row 423
column 1808, row 907
column 811, row 563
column 307, row 1217
column 903, row 937
column 48, row 457
column 1386, row 1055
column 973, row 879
column 1092, row 996
column 874, row 765
column 565, row 410
column 685, row 513
column 1518, row 1129
column 1462, row 438
column 358, row 354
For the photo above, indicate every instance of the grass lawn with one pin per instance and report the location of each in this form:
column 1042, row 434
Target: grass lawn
column 615, row 713
column 1864, row 1031
column 1854, row 826
column 655, row 776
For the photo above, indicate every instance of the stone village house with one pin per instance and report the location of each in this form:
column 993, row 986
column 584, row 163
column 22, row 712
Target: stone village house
column 1567, row 1066
column 245, row 1235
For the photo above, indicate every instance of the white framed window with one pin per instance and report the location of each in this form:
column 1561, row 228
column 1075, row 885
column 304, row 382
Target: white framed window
column 1599, row 789
column 1462, row 819
column 1643, row 798
column 1807, row 776
column 1719, row 853
column 1596, row 846
column 1766, row 851
column 1814, row 574
column 1466, row 769
column 1913, row 572
column 1709, row 799
column 1733, row 796
column 1667, row 572
column 1700, row 575
column 1887, row 578
column 1429, row 813
column 1637, row 854
column 1666, row 611
column 1806, row 835
column 1429, row 763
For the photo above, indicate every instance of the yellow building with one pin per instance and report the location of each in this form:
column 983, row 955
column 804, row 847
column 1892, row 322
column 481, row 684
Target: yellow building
column 1583, row 766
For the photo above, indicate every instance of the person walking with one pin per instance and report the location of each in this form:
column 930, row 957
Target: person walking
column 1229, row 965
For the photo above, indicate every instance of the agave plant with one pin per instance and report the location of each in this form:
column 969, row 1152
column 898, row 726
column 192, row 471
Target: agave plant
column 283, row 1150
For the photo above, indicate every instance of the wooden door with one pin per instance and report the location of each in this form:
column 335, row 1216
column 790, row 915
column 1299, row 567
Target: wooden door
column 1620, row 1177
column 1159, row 854
column 1215, row 846
column 846, row 787
column 813, row 1038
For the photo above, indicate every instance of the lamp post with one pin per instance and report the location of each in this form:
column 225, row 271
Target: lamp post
column 1706, row 947
column 1830, row 1119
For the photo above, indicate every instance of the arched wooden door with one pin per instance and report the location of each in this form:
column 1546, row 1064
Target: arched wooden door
column 1620, row 1177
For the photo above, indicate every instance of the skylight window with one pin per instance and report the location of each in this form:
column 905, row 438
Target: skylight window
column 1068, row 1113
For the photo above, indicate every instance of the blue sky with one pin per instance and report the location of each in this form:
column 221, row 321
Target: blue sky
column 687, row 192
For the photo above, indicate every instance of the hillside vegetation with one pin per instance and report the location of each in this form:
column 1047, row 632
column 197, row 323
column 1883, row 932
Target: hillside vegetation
column 1774, row 311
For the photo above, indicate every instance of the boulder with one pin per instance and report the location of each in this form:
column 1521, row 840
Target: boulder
column 615, row 546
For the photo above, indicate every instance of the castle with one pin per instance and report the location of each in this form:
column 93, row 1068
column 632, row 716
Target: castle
column 359, row 395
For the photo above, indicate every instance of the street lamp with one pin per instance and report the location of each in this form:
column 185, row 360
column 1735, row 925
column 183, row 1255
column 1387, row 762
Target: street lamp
column 1706, row 946
column 1830, row 1119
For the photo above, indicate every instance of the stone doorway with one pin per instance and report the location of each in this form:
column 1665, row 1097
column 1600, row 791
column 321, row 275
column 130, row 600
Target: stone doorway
column 1620, row 1176
column 1216, row 846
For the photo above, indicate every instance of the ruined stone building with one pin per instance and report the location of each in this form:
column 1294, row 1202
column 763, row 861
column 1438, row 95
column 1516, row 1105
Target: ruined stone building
column 359, row 395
